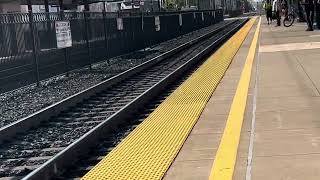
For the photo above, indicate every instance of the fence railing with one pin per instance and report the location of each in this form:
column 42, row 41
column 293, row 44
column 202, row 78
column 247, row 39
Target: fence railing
column 28, row 45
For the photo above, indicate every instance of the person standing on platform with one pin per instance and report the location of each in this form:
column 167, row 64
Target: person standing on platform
column 309, row 8
column 318, row 14
column 276, row 8
column 284, row 8
column 268, row 9
column 300, row 12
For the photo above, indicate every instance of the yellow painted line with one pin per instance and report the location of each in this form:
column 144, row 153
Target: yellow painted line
column 149, row 150
column 226, row 155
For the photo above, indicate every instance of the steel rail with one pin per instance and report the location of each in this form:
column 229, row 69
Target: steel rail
column 9, row 131
column 81, row 146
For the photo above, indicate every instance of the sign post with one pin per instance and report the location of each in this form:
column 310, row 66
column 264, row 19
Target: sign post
column 64, row 39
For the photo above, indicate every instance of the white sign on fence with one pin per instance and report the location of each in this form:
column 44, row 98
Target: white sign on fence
column 63, row 33
column 157, row 22
column 119, row 24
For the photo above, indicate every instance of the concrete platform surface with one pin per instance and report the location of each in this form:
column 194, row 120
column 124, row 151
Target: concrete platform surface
column 282, row 113
column 195, row 159
column 286, row 138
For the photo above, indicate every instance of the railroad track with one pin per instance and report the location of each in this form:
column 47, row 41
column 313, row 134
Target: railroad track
column 106, row 143
column 43, row 144
column 21, row 102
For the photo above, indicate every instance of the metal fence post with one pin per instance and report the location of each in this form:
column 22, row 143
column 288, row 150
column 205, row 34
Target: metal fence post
column 86, row 23
column 34, row 47
column 48, row 24
column 65, row 50
column 105, row 31
column 66, row 61
column 180, row 25
column 133, row 31
column 142, row 30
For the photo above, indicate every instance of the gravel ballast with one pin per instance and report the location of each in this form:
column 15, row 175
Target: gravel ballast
column 22, row 102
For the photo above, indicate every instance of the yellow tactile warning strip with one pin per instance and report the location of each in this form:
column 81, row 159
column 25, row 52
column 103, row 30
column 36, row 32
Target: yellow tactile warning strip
column 149, row 150
column 225, row 159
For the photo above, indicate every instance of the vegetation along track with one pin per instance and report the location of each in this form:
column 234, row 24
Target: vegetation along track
column 46, row 142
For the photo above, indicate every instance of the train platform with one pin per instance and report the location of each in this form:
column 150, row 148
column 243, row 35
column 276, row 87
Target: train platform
column 249, row 112
column 279, row 138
